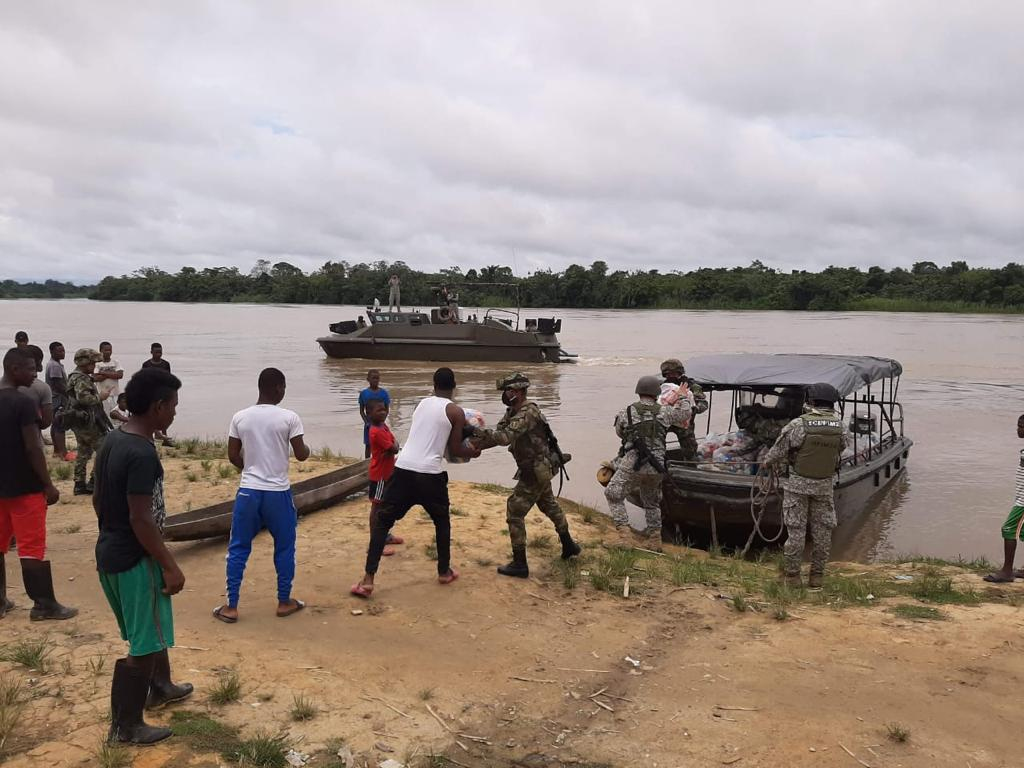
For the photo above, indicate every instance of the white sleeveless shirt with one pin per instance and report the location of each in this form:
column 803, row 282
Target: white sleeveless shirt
column 428, row 437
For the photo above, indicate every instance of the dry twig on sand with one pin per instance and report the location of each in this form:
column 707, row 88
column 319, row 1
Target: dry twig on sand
column 852, row 755
column 393, row 709
column 438, row 718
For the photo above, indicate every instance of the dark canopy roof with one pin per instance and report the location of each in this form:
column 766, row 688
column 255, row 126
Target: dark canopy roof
column 846, row 373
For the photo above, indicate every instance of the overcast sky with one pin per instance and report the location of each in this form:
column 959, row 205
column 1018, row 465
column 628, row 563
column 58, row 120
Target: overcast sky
column 536, row 134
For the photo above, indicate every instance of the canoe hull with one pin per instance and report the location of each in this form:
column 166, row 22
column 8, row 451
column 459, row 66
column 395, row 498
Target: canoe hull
column 310, row 495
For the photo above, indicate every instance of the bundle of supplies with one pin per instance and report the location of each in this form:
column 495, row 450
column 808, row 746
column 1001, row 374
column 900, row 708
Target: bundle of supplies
column 734, row 452
column 671, row 394
column 474, row 419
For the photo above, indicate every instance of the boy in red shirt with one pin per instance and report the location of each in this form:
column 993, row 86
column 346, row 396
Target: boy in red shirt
column 383, row 450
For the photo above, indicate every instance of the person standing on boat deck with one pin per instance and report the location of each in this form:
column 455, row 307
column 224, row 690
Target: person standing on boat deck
column 529, row 439
column 673, row 372
column 437, row 424
column 26, row 490
column 808, row 452
column 258, row 441
column 1012, row 528
column 394, row 293
column 640, row 465
column 137, row 573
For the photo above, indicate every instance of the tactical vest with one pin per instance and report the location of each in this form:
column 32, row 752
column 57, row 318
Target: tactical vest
column 823, row 443
column 644, row 426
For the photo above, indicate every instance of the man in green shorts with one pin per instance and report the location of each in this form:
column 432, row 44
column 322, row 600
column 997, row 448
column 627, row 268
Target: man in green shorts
column 1012, row 528
column 137, row 572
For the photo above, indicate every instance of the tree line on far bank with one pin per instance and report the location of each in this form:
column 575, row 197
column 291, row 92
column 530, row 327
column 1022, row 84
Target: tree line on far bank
column 924, row 287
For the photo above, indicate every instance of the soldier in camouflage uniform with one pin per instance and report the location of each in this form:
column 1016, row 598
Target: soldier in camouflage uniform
column 673, row 372
column 89, row 422
column 640, row 466
column 528, row 437
column 809, row 449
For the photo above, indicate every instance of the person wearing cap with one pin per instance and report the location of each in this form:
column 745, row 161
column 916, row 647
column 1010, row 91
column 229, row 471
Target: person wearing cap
column 673, row 371
column 530, row 441
column 807, row 454
column 85, row 413
column 640, row 465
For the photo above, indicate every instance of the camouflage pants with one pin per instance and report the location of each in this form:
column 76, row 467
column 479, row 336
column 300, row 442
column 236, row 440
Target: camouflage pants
column 799, row 510
column 642, row 488
column 89, row 442
column 687, row 443
column 523, row 497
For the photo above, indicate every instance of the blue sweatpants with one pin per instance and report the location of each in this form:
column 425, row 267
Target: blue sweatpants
column 255, row 510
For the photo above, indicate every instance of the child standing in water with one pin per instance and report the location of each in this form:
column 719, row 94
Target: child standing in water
column 373, row 392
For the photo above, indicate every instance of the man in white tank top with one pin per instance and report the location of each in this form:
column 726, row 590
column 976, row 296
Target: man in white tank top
column 438, row 424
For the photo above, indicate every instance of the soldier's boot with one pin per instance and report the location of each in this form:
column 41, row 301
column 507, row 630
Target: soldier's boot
column 518, row 568
column 82, row 489
column 128, row 693
column 624, row 534
column 793, row 580
column 652, row 539
column 5, row 604
column 39, row 585
column 815, row 579
column 569, row 547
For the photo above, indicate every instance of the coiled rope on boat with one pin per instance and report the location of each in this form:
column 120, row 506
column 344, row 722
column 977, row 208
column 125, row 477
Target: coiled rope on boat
column 764, row 484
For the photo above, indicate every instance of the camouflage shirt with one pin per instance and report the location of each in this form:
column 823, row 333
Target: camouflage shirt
column 82, row 389
column 523, row 431
column 700, row 400
column 783, row 453
column 668, row 415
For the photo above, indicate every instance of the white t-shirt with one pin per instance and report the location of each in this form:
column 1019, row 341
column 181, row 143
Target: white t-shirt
column 111, row 386
column 428, row 437
column 265, row 432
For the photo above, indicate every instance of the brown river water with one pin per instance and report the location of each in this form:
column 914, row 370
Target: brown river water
column 962, row 390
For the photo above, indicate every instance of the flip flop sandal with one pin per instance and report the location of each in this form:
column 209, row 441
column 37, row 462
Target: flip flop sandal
column 226, row 619
column 449, row 577
column 993, row 579
column 361, row 590
column 394, row 540
column 388, row 551
column 295, row 607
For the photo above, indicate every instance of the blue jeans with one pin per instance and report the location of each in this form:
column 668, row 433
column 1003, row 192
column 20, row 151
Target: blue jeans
column 255, row 510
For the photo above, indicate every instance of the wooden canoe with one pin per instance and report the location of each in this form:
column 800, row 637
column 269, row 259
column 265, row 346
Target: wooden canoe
column 310, row 495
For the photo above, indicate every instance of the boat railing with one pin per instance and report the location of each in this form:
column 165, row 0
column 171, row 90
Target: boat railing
column 490, row 314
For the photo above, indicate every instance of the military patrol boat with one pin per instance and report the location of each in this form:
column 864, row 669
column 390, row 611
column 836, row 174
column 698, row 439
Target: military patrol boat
column 447, row 334
column 727, row 493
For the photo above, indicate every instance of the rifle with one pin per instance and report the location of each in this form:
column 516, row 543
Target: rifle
column 563, row 458
column 643, row 451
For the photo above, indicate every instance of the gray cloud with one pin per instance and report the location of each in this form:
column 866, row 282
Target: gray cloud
column 651, row 135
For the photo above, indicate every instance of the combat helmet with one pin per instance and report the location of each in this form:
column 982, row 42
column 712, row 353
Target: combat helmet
column 86, row 355
column 672, row 364
column 822, row 393
column 649, row 386
column 517, row 380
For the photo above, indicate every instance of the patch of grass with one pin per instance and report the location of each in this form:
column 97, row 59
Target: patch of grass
column 587, row 515
column 502, row 490
column 73, row 528
column 897, row 733
column 96, row 665
column 426, row 694
column 206, row 465
column 918, row 612
column 430, row 550
column 691, row 570
column 189, row 446
column 11, row 707
column 933, row 587
column 31, row 653
column 977, row 564
column 201, row 732
column 325, row 454
column 191, row 476
column 740, row 604
column 302, row 708
column 458, row 512
column 570, row 572
column 224, row 471
column 540, row 541
column 112, row 756
column 62, row 471
column 261, row 751
column 227, row 689
column 484, row 562
column 840, row 590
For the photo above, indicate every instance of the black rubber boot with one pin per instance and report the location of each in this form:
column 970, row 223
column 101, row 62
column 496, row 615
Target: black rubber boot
column 569, row 547
column 161, row 690
column 815, row 580
column 518, row 567
column 128, row 692
column 39, row 586
column 81, row 489
column 5, row 604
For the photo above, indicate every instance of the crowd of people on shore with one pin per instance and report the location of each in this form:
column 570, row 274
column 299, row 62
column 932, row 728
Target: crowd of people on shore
column 138, row 574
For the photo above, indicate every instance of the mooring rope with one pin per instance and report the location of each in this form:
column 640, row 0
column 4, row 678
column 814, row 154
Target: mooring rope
column 764, row 484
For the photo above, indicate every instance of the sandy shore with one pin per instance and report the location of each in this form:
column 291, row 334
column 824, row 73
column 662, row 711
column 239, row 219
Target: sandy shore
column 492, row 671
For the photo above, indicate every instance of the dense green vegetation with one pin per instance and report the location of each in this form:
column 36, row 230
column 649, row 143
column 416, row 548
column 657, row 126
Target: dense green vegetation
column 51, row 289
column 924, row 287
